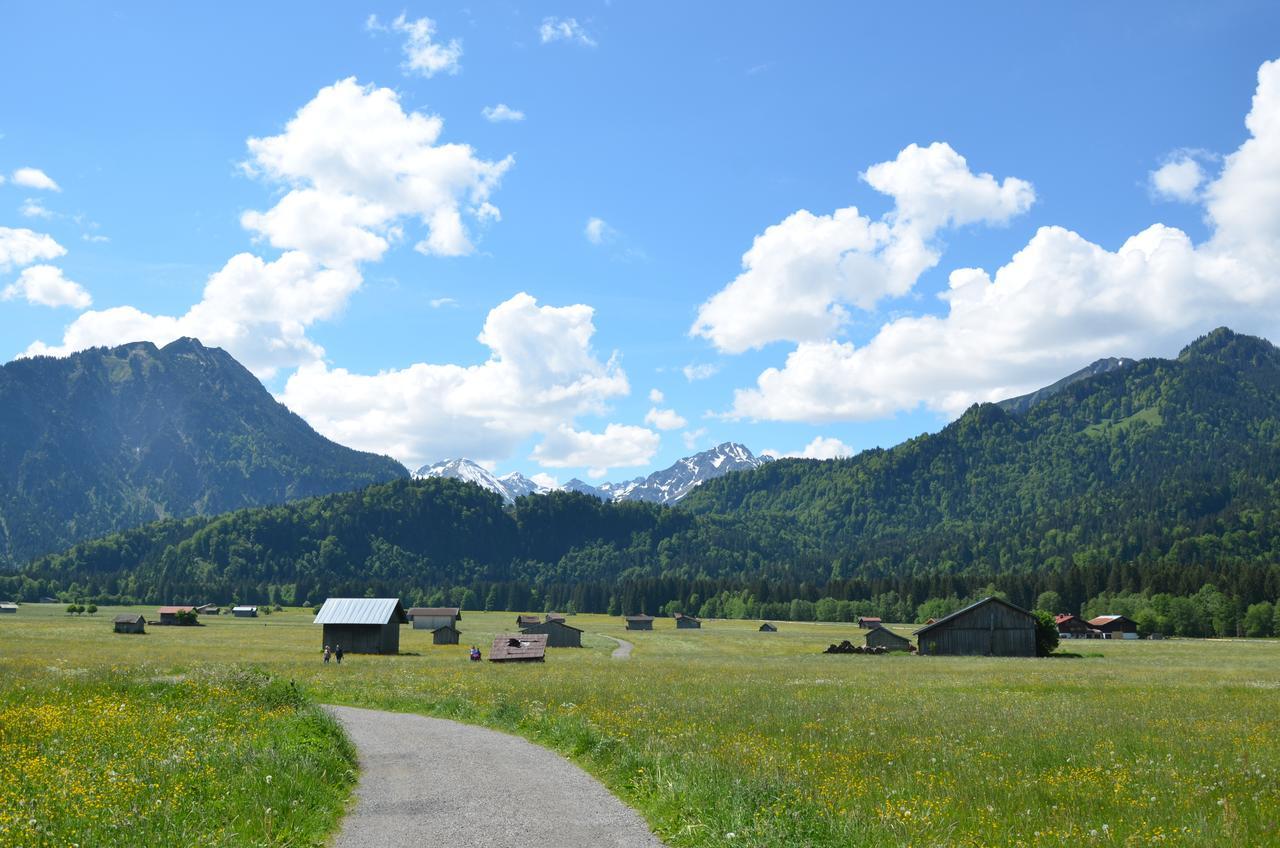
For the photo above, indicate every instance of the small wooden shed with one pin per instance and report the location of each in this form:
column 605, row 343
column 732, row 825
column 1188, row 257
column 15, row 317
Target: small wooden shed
column 132, row 622
column 519, row 647
column 431, row 618
column 1115, row 626
column 687, row 622
column 169, row 615
column 245, row 612
column 209, row 609
column 555, row 616
column 639, row 622
column 768, row 628
column 866, row 622
column 362, row 625
column 8, row 607
column 989, row 628
column 559, row 634
column 445, row 634
column 527, row 620
column 883, row 637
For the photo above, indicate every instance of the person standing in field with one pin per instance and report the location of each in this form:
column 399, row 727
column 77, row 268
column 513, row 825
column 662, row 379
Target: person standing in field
column 326, row 654
column 337, row 653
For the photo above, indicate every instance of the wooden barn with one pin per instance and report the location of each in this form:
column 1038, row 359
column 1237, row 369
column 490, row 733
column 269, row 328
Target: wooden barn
column 527, row 620
column 883, row 637
column 687, row 622
column 362, row 625
column 169, row 615
column 866, row 622
column 430, row 618
column 555, row 616
column 639, row 622
column 132, row 622
column 8, row 607
column 989, row 628
column 768, row 628
column 1115, row 626
column 245, row 612
column 209, row 609
column 1073, row 627
column 518, row 647
column 445, row 634
column 559, row 634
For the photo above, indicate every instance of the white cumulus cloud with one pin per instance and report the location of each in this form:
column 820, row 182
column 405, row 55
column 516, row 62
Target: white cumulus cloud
column 801, row 274
column 423, row 54
column 45, row 285
column 32, row 208
column 598, row 231
column 664, row 419
column 656, row 396
column 501, row 112
column 21, row 246
column 822, row 447
column 700, row 371
column 1179, row 178
column 564, row 29
column 619, row 446
column 1059, row 303
column 34, row 178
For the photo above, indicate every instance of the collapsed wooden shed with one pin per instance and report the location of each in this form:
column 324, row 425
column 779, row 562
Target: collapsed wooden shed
column 559, row 634
column 883, row 637
column 639, row 622
column 362, row 625
column 132, row 622
column 519, row 647
column 990, row 628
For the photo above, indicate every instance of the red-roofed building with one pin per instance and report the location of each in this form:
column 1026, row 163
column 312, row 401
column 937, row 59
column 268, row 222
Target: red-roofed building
column 1071, row 626
column 867, row 622
column 1115, row 626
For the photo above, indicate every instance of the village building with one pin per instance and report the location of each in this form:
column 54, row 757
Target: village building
column 1115, row 626
column 244, row 612
column 687, row 622
column 8, row 607
column 527, row 620
column 559, row 634
column 768, row 628
column 1073, row 627
column 445, row 634
column 512, row 647
column 989, row 628
column 169, row 615
column 883, row 637
column 131, row 622
column 362, row 625
column 639, row 622
column 867, row 622
column 431, row 618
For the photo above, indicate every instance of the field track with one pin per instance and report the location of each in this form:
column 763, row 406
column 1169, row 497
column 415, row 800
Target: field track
column 623, row 651
column 464, row 786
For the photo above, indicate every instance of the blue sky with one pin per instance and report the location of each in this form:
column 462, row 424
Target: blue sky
column 687, row 131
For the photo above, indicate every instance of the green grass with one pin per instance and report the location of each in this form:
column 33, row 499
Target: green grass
column 730, row 737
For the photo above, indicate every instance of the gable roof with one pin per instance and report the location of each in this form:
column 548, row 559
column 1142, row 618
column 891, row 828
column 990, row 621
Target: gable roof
column 1108, row 619
column 361, row 611
column 129, row 618
column 435, row 612
column 244, row 608
column 527, row 646
column 881, row 632
column 544, row 626
column 174, row 610
column 445, row 627
column 640, row 617
column 988, row 600
column 681, row 615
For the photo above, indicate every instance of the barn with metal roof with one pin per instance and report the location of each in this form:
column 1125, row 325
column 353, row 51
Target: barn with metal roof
column 362, row 625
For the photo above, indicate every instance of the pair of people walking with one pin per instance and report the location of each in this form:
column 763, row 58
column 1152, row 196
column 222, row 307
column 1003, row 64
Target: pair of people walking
column 336, row 653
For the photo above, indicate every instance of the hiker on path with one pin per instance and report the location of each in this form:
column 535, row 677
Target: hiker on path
column 326, row 654
column 337, row 653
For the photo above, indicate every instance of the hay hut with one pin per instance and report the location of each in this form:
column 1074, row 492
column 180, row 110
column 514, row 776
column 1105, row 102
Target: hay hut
column 445, row 634
column 768, row 628
column 431, row 618
column 639, row 622
column 362, row 625
column 132, row 622
column 990, row 628
column 687, row 622
column 559, row 634
column 883, row 637
column 517, row 647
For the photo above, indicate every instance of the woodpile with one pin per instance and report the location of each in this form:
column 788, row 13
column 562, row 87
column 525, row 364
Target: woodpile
column 847, row 647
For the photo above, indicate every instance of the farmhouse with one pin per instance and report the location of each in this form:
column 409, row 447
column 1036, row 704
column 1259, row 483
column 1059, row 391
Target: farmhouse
column 989, row 628
column 883, row 637
column 527, row 620
column 1115, row 626
column 169, row 615
column 687, row 622
column 430, row 618
column 445, row 634
column 559, row 634
column 510, row 647
column 866, row 622
column 130, row 623
column 244, row 612
column 639, row 622
column 768, row 628
column 362, row 625
column 8, row 607
column 1072, row 627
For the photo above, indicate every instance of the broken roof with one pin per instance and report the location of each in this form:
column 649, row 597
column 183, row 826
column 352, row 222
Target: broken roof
column 518, row 646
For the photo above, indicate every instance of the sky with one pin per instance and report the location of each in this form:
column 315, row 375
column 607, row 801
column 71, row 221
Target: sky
column 586, row 239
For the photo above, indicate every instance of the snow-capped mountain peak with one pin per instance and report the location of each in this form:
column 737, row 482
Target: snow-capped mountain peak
column 508, row 486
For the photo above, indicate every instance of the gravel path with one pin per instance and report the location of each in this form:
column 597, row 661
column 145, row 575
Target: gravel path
column 623, row 651
column 430, row 781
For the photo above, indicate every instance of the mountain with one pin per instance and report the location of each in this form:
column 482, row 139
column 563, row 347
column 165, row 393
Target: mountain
column 111, row 438
column 1020, row 404
column 508, row 487
column 1158, row 477
column 576, row 485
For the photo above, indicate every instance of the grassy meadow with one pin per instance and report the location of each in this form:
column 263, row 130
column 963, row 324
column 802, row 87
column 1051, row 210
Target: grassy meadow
column 720, row 737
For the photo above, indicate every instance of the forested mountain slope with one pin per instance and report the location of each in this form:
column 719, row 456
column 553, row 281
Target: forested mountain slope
column 112, row 438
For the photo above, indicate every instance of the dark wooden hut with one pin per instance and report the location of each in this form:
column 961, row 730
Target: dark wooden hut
column 209, row 609
column 768, row 628
column 867, row 622
column 883, row 637
column 169, row 615
column 1115, row 626
column 991, row 627
column 639, row 622
column 687, row 622
column 559, row 634
column 429, row 618
column 362, row 625
column 8, row 607
column 132, row 622
column 245, row 612
column 555, row 616
column 445, row 634
column 519, row 647
column 527, row 620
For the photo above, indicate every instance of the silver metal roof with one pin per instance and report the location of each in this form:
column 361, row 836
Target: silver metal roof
column 361, row 611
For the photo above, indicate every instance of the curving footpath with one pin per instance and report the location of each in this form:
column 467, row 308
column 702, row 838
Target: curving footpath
column 623, row 651
column 431, row 781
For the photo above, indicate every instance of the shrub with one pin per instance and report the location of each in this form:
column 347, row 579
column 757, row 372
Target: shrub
column 1046, row 633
